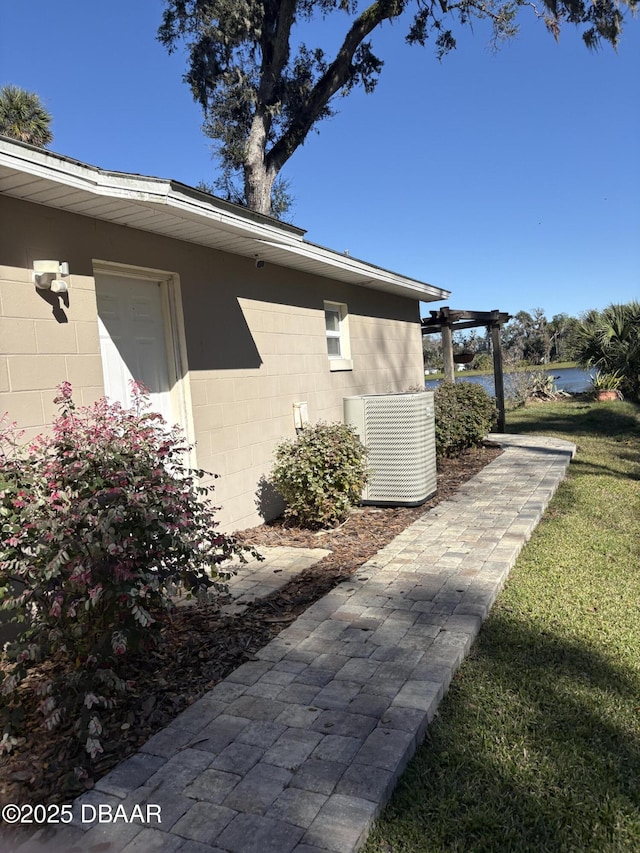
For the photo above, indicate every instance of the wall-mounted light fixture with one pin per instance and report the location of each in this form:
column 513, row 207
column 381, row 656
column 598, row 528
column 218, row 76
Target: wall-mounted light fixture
column 47, row 275
column 300, row 415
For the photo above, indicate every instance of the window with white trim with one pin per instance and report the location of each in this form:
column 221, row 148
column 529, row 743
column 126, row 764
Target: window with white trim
column 336, row 322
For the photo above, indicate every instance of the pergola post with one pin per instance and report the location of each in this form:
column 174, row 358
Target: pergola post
column 447, row 353
column 498, row 376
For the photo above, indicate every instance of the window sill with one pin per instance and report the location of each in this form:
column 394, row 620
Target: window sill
column 340, row 364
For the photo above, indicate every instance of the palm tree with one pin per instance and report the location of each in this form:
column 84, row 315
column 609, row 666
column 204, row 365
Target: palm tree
column 610, row 341
column 23, row 117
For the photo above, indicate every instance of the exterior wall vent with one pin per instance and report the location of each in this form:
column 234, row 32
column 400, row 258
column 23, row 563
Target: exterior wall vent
column 399, row 432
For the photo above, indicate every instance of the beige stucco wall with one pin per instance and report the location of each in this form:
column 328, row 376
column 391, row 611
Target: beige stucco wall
column 255, row 340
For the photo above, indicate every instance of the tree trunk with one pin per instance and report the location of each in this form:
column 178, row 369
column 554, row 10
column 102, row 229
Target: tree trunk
column 262, row 166
column 257, row 188
column 258, row 177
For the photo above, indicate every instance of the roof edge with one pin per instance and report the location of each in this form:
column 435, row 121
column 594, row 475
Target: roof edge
column 193, row 208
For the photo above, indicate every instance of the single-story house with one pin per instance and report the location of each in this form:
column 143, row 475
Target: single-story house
column 231, row 319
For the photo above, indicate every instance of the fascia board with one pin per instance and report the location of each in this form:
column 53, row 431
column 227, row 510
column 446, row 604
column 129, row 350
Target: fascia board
column 366, row 274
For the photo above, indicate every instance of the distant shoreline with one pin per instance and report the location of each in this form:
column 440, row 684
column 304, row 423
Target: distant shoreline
column 521, row 368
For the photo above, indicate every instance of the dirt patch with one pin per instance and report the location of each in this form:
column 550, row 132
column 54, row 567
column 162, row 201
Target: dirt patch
column 201, row 646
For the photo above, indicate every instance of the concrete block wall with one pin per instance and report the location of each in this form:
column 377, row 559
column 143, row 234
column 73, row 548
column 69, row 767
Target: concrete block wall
column 239, row 416
column 46, row 340
column 255, row 341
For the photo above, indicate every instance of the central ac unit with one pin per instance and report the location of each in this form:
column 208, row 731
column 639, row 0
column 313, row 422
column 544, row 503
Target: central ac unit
column 398, row 430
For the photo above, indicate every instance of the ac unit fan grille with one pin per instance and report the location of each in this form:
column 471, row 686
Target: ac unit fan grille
column 398, row 431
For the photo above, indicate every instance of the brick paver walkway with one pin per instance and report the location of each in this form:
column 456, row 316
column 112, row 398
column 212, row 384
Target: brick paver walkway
column 300, row 749
column 258, row 579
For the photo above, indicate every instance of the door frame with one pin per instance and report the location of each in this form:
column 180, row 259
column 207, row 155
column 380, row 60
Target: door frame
column 174, row 336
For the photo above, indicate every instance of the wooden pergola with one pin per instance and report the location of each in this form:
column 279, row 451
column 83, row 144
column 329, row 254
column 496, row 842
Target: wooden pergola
column 447, row 320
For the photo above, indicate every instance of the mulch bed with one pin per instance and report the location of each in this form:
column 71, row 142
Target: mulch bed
column 200, row 647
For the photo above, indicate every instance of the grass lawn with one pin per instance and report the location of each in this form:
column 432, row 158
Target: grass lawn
column 537, row 745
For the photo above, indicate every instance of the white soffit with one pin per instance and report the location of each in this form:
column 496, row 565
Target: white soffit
column 175, row 210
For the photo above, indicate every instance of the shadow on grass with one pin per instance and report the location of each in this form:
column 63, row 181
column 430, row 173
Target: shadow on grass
column 632, row 456
column 537, row 748
column 580, row 419
column 618, row 424
column 580, row 467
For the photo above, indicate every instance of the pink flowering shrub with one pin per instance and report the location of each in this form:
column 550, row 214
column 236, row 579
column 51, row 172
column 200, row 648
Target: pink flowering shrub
column 99, row 521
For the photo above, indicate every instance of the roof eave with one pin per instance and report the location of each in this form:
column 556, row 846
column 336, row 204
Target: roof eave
column 173, row 209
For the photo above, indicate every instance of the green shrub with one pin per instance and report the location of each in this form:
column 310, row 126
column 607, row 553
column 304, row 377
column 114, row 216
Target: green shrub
column 527, row 385
column 606, row 381
column 610, row 341
column 465, row 413
column 320, row 474
column 482, row 361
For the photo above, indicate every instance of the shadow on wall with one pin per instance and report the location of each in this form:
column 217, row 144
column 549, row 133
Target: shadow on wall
column 269, row 501
column 218, row 336
column 57, row 301
column 211, row 282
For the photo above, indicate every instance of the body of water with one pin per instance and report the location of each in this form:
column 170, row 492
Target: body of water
column 571, row 379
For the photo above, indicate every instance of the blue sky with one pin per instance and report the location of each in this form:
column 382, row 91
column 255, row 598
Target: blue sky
column 510, row 179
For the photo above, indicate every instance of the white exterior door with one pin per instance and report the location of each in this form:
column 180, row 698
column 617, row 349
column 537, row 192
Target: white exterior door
column 133, row 340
